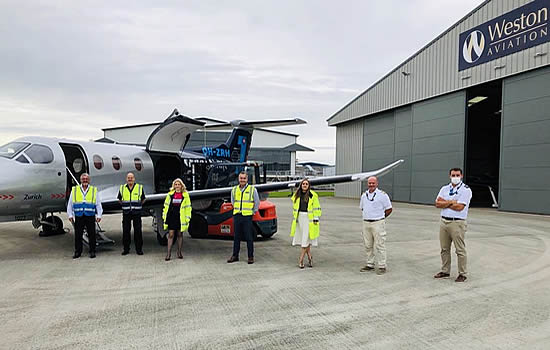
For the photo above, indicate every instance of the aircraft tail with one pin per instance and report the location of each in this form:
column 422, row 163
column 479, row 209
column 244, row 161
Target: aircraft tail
column 238, row 144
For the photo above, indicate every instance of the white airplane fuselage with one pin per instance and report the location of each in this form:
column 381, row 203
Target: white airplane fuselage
column 30, row 189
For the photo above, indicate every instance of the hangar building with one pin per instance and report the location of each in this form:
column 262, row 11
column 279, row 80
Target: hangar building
column 476, row 97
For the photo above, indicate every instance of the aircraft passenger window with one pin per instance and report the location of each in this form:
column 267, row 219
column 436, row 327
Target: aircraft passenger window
column 98, row 162
column 77, row 165
column 40, row 154
column 11, row 149
column 22, row 159
column 138, row 164
column 117, row 164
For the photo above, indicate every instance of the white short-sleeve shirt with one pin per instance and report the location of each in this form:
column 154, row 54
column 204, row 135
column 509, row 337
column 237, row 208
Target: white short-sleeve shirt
column 462, row 194
column 373, row 205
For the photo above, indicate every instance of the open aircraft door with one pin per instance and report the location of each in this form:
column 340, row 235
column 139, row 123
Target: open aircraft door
column 172, row 135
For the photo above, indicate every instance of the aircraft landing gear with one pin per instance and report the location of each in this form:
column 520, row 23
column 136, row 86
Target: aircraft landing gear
column 51, row 225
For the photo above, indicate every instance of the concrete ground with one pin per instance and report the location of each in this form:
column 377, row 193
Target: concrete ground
column 49, row 301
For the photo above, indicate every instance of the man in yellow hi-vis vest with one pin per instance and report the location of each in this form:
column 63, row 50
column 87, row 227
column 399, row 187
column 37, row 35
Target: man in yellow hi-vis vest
column 131, row 197
column 246, row 202
column 84, row 210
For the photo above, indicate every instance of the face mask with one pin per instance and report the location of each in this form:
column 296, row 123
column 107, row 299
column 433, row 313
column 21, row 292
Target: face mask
column 456, row 180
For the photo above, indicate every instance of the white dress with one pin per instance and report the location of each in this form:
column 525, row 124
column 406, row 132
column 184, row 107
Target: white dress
column 301, row 236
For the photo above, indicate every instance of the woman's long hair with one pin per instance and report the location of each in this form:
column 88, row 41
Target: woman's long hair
column 299, row 191
column 173, row 188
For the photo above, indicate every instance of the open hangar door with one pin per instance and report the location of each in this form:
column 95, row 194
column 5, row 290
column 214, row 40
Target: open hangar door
column 483, row 127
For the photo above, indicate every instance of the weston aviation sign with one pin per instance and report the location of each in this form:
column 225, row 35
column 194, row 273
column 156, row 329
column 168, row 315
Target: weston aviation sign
column 517, row 30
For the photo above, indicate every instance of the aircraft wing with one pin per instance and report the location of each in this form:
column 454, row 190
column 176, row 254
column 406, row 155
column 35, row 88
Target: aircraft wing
column 155, row 200
column 251, row 124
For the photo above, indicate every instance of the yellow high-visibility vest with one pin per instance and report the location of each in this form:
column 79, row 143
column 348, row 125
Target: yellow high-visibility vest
column 185, row 210
column 84, row 205
column 244, row 200
column 313, row 211
column 131, row 200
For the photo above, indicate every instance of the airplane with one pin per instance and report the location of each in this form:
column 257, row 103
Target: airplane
column 37, row 173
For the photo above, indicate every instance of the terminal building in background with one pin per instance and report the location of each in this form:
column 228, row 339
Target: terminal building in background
column 476, row 97
column 276, row 149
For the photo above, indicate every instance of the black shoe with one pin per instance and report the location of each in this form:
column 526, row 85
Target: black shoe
column 139, row 253
column 92, row 255
column 125, row 252
column 461, row 278
column 366, row 268
column 76, row 255
column 251, row 260
column 441, row 275
column 232, row 259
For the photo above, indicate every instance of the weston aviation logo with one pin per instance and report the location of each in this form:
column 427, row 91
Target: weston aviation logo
column 517, row 30
column 473, row 46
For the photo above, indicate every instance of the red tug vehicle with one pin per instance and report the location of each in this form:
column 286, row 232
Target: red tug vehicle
column 216, row 220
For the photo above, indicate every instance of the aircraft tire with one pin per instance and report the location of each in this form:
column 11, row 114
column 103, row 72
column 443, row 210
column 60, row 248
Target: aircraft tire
column 48, row 230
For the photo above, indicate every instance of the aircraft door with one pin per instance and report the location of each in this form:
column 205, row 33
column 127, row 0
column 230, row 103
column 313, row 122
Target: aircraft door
column 172, row 135
column 76, row 163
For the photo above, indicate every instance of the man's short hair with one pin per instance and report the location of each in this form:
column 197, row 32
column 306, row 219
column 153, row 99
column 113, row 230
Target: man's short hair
column 243, row 173
column 455, row 169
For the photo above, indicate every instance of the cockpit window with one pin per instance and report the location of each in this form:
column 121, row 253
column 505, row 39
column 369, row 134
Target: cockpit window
column 22, row 159
column 40, row 154
column 11, row 149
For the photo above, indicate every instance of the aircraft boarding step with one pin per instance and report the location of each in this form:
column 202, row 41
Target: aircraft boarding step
column 100, row 238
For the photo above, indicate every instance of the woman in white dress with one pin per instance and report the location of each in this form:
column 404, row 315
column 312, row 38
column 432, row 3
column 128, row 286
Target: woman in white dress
column 305, row 224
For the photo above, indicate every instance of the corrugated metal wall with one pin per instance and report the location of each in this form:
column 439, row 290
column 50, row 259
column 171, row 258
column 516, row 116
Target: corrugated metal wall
column 349, row 155
column 525, row 143
column 403, row 149
column 428, row 135
column 379, row 147
column 434, row 69
column 438, row 137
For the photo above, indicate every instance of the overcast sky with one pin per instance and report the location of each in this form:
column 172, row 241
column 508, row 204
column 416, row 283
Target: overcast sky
column 70, row 68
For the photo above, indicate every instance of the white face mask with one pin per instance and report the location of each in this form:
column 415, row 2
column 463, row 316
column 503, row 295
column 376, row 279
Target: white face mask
column 456, row 180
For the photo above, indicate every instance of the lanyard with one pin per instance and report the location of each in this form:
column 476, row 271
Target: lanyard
column 367, row 194
column 451, row 193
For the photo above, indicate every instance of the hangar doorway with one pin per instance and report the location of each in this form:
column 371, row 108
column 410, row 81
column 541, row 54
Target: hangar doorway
column 482, row 163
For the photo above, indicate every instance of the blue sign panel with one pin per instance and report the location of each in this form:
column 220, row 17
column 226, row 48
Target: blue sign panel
column 517, row 30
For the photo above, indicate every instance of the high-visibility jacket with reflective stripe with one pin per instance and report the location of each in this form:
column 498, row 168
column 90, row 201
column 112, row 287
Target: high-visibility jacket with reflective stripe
column 84, row 205
column 313, row 212
column 131, row 201
column 244, row 200
column 185, row 210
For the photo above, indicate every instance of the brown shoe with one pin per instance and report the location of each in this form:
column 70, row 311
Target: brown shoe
column 366, row 268
column 441, row 275
column 251, row 260
column 232, row 259
column 461, row 278
column 381, row 271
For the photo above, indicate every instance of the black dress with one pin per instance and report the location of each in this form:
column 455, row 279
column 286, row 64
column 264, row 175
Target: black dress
column 173, row 216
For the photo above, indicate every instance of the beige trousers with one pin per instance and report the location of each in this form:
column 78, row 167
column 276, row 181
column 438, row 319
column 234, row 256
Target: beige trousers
column 374, row 237
column 452, row 231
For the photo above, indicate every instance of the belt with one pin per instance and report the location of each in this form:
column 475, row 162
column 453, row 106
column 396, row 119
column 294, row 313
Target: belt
column 451, row 219
column 372, row 220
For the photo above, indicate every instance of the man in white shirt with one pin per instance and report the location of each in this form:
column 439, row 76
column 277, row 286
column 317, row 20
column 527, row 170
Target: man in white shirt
column 376, row 207
column 453, row 200
column 84, row 210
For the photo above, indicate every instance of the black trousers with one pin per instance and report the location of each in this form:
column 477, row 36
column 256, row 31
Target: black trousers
column 127, row 221
column 79, row 223
column 243, row 232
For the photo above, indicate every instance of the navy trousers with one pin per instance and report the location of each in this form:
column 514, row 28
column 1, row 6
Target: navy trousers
column 243, row 232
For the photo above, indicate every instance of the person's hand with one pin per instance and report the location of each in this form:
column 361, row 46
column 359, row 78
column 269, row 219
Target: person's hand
column 97, row 220
column 71, row 220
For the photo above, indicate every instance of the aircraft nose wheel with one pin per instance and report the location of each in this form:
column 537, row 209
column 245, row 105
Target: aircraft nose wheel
column 52, row 225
